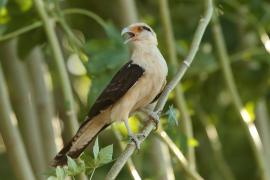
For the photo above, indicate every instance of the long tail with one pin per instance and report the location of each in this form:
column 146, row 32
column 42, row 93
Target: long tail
column 84, row 136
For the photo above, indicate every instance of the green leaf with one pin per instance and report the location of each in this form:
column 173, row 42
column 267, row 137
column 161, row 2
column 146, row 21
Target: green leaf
column 73, row 168
column 105, row 155
column 52, row 178
column 88, row 160
column 171, row 113
column 60, row 173
column 96, row 149
column 81, row 167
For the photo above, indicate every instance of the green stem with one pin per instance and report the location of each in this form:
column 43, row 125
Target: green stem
column 180, row 99
column 92, row 174
column 90, row 14
column 43, row 101
column 69, row 104
column 25, row 111
column 247, row 123
column 11, row 136
column 21, row 31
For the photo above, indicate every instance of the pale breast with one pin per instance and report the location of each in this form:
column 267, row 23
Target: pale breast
column 146, row 88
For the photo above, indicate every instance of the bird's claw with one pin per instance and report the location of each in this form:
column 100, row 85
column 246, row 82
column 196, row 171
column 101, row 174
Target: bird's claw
column 135, row 138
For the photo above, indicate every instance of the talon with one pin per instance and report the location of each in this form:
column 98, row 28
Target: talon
column 134, row 138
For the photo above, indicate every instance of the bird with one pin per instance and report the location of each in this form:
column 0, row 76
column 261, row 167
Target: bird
column 134, row 87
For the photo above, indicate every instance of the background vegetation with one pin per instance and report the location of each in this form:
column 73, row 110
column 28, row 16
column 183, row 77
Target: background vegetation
column 56, row 57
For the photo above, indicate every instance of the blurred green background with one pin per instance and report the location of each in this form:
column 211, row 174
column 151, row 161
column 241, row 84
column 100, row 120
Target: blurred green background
column 88, row 33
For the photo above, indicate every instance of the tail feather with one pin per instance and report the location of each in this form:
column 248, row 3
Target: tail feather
column 82, row 139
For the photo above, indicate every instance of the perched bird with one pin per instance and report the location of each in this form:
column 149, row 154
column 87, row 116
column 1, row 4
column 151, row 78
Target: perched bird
column 136, row 85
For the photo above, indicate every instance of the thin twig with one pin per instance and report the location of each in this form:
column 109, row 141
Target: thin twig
column 21, row 31
column 122, row 159
column 181, row 158
column 88, row 13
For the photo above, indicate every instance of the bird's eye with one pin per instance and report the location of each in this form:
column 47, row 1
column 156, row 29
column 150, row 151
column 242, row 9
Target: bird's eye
column 146, row 28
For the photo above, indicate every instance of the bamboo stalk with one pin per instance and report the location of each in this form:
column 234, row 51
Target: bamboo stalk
column 11, row 136
column 69, row 104
column 161, row 159
column 247, row 122
column 23, row 106
column 43, row 101
column 122, row 159
column 128, row 12
column 180, row 98
column 264, row 127
column 191, row 173
column 213, row 137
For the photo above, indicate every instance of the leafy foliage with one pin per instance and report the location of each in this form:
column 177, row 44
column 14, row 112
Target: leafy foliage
column 85, row 164
column 171, row 113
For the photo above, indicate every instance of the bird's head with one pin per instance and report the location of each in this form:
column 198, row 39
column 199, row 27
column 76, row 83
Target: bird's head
column 139, row 33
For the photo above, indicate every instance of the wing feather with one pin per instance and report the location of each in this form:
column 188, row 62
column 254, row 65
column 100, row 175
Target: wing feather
column 123, row 80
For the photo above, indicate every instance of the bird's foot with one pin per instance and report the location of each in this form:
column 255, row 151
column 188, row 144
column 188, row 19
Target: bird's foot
column 136, row 139
column 154, row 116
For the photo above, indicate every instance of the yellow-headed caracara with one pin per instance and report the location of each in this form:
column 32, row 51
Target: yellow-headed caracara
column 134, row 86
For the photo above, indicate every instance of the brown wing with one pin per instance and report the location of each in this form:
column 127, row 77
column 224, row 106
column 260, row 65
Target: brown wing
column 124, row 79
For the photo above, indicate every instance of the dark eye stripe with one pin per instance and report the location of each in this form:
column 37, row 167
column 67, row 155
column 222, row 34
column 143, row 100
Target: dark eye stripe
column 146, row 28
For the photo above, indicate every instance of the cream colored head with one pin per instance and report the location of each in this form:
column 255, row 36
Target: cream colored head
column 139, row 33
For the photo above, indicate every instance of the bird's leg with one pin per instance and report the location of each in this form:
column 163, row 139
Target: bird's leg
column 134, row 137
column 154, row 116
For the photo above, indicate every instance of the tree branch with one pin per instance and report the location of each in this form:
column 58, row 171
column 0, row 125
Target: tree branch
column 122, row 159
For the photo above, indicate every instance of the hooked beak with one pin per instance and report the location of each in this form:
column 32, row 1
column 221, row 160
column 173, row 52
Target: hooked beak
column 127, row 34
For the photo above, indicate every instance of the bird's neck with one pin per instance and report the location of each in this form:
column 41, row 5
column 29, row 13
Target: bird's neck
column 144, row 48
column 149, row 57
